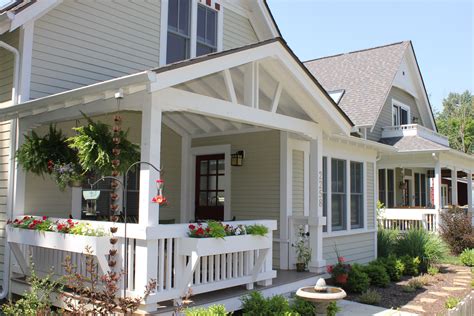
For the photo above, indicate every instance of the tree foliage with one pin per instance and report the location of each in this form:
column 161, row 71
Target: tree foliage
column 456, row 121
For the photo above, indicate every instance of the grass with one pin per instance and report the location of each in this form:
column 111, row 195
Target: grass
column 451, row 259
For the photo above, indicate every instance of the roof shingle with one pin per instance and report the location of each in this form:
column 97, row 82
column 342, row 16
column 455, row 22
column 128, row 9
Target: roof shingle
column 412, row 143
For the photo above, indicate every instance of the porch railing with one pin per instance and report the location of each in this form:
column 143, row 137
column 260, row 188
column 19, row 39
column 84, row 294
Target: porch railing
column 178, row 268
column 404, row 219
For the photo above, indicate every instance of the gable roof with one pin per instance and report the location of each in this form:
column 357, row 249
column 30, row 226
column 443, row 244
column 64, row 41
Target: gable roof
column 365, row 75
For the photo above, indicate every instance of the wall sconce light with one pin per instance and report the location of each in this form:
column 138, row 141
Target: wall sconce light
column 403, row 186
column 415, row 120
column 237, row 158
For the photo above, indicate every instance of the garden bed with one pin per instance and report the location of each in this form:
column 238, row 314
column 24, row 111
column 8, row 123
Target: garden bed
column 452, row 281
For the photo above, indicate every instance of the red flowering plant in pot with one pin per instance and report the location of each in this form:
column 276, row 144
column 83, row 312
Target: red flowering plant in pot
column 340, row 270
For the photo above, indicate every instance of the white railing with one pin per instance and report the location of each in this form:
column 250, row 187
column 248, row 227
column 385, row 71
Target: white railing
column 413, row 130
column 235, row 260
column 404, row 219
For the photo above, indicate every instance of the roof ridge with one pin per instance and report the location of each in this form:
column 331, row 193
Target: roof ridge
column 355, row 51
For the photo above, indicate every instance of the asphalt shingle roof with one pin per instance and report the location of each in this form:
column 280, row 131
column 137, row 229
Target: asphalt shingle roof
column 366, row 77
column 412, row 143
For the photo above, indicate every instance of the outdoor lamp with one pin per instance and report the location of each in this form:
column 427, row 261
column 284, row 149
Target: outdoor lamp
column 91, row 197
column 237, row 159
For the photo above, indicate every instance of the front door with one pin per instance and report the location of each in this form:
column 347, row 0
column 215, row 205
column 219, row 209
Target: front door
column 210, row 182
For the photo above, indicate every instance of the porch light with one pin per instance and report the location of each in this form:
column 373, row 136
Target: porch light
column 91, row 197
column 237, row 158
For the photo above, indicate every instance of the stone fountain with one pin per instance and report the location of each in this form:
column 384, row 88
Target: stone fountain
column 321, row 295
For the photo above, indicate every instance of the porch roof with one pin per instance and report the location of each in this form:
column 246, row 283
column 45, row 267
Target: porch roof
column 412, row 143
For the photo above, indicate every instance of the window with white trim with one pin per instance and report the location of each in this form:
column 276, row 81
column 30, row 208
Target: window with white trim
column 179, row 30
column 387, row 187
column 357, row 194
column 325, row 190
column 206, row 41
column 338, row 194
column 400, row 114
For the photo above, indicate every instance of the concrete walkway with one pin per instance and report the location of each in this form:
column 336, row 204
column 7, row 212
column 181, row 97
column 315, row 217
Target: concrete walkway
column 357, row 309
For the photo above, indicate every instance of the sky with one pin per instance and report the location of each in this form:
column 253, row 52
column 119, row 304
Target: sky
column 442, row 32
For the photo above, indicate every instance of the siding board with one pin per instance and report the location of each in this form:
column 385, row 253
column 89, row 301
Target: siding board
column 7, row 65
column 298, row 182
column 355, row 248
column 238, row 30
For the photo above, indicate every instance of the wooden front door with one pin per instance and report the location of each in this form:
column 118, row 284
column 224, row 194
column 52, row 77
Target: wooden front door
column 210, row 182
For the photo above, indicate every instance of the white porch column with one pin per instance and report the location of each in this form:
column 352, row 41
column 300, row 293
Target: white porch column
column 454, row 186
column 18, row 131
column 437, row 185
column 469, row 191
column 147, row 250
column 285, row 200
column 316, row 220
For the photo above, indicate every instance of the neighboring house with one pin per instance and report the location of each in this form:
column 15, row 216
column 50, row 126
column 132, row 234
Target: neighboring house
column 382, row 91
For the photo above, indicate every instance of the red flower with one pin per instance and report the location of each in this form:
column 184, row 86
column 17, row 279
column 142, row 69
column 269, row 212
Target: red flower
column 159, row 199
column 329, row 268
column 200, row 231
column 341, row 259
column 45, row 218
column 192, row 227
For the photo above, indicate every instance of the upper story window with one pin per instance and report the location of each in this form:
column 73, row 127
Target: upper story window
column 206, row 30
column 192, row 29
column 400, row 114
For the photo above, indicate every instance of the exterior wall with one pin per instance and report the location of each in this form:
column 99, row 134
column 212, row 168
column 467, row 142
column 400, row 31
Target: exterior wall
column 385, row 118
column 237, row 30
column 171, row 163
column 255, row 186
column 359, row 248
column 7, row 65
column 83, row 42
column 298, row 182
column 4, row 167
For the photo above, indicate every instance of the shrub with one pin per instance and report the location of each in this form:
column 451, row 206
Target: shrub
column 214, row 310
column 451, row 302
column 377, row 274
column 408, row 289
column 428, row 247
column 371, row 297
column 386, row 242
column 358, row 281
column 394, row 266
column 467, row 257
column 302, row 307
column 456, row 229
column 333, row 309
column 419, row 282
column 255, row 304
column 257, row 230
column 433, row 270
column 412, row 265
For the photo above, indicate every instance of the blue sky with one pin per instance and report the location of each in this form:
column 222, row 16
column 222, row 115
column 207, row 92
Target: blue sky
column 442, row 32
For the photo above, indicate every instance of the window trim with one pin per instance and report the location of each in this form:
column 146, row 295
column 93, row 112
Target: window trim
column 193, row 28
column 362, row 195
column 400, row 105
column 385, row 170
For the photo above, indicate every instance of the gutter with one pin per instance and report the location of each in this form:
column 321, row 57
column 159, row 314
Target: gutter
column 11, row 179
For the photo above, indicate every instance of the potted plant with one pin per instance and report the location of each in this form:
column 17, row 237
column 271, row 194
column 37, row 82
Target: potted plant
column 339, row 271
column 303, row 251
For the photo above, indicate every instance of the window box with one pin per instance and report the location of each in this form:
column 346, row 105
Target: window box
column 216, row 246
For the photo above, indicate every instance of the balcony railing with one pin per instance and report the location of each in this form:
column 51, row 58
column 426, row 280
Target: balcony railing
column 404, row 219
column 414, row 130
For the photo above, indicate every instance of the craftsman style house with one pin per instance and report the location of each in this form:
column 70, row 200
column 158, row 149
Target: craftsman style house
column 198, row 84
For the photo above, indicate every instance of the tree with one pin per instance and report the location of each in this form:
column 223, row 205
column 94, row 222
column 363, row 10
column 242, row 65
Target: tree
column 456, row 121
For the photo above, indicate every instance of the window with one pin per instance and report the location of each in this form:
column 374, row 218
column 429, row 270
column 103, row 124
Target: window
column 401, row 114
column 357, row 194
column 382, row 187
column 390, row 188
column 179, row 20
column 420, row 189
column 338, row 194
column 325, row 190
column 206, row 30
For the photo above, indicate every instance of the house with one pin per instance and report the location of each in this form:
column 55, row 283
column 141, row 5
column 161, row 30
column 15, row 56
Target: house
column 196, row 82
column 382, row 91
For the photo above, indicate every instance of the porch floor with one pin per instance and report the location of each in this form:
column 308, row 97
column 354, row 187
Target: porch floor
column 287, row 281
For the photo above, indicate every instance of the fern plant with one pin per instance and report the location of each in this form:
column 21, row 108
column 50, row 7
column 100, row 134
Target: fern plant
column 94, row 143
column 38, row 153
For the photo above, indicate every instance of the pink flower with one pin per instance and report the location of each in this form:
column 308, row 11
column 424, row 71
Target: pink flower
column 341, row 259
column 45, row 218
column 329, row 268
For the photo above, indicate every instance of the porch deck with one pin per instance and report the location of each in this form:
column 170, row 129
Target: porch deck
column 287, row 281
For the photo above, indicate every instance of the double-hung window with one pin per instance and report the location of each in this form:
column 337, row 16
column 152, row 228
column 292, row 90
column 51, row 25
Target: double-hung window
column 401, row 114
column 206, row 41
column 387, row 187
column 179, row 30
column 420, row 189
column 357, row 194
column 338, row 194
column 325, row 190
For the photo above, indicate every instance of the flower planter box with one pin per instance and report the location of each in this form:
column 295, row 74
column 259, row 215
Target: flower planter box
column 58, row 241
column 215, row 246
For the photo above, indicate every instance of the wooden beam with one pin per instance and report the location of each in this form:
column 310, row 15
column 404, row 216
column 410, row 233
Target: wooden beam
column 276, row 97
column 178, row 100
column 200, row 121
column 230, row 86
column 251, row 82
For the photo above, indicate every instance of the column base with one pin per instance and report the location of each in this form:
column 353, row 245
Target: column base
column 317, row 266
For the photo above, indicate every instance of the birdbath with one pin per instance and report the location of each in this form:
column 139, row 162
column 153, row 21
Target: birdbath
column 321, row 295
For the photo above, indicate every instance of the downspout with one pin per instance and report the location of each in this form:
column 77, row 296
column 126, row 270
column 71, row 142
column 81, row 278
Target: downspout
column 11, row 178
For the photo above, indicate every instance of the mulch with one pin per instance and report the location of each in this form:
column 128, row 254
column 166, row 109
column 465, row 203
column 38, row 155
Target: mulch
column 394, row 297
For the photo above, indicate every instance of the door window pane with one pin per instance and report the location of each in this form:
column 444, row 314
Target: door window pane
column 212, row 183
column 203, row 183
column 203, row 166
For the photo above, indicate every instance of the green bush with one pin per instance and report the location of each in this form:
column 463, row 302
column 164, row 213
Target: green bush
column 333, row 309
column 255, row 304
column 302, row 307
column 386, row 242
column 394, row 266
column 467, row 257
column 357, row 281
column 451, row 302
column 419, row 282
column 408, row 289
column 428, row 247
column 371, row 297
column 412, row 265
column 214, row 310
column 377, row 274
column 433, row 270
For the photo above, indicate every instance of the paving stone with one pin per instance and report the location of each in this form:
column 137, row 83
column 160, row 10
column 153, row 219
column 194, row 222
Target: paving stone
column 461, row 277
column 428, row 300
column 442, row 294
column 417, row 308
column 452, row 288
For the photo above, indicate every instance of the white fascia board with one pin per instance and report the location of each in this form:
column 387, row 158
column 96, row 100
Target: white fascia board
column 33, row 12
column 365, row 142
column 5, row 21
column 261, row 20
